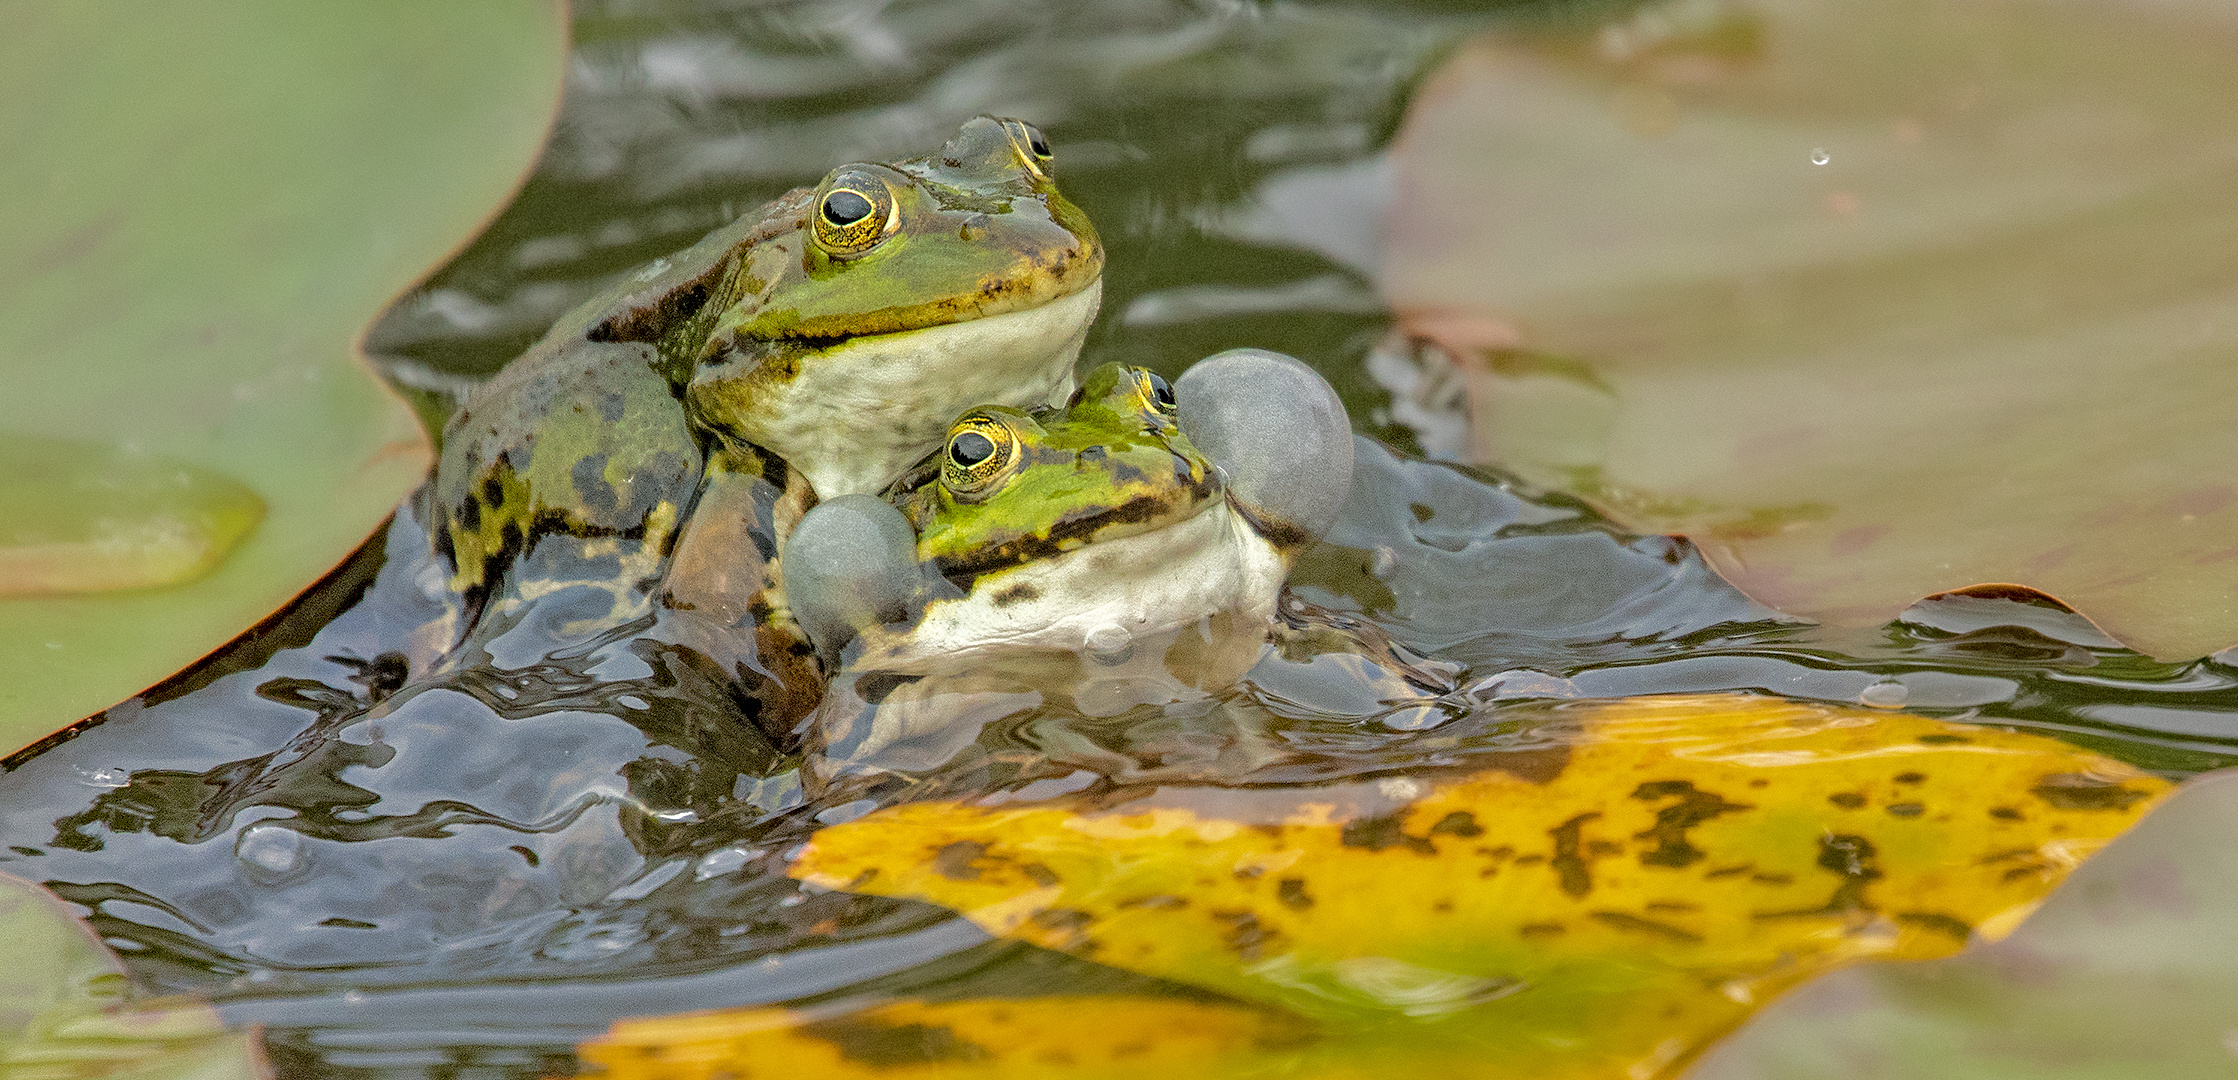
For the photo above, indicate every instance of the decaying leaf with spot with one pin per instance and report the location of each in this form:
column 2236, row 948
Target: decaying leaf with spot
column 1070, row 1037
column 1691, row 856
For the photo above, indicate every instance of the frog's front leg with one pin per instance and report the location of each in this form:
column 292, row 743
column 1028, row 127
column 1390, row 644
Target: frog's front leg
column 723, row 596
column 561, row 485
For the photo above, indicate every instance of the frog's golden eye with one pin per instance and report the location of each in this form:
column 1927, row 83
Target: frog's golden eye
column 981, row 451
column 853, row 215
column 1157, row 391
column 1033, row 148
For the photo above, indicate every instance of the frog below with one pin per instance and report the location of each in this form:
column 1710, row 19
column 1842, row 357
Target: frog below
column 1103, row 529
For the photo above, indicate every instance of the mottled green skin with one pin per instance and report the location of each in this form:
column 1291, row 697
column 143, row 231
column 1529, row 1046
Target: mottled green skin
column 606, row 426
column 1112, row 463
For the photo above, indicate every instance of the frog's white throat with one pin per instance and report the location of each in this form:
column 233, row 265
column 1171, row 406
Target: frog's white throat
column 868, row 409
column 1143, row 585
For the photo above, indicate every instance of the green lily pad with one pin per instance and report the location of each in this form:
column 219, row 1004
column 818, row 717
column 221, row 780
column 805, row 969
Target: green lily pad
column 1873, row 301
column 205, row 204
column 2128, row 971
column 65, row 1013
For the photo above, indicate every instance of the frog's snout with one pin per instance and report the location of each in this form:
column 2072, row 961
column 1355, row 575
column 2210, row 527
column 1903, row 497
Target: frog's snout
column 1277, row 430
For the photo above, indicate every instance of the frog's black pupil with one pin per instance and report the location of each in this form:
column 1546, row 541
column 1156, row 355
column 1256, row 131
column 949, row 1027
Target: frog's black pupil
column 971, row 448
column 1037, row 142
column 845, row 207
column 1160, row 391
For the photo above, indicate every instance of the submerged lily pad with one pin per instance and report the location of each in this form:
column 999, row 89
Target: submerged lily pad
column 1872, row 302
column 204, row 206
column 91, row 518
column 1613, row 902
column 64, row 1013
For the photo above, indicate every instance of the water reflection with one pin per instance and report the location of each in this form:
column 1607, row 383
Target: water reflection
column 405, row 868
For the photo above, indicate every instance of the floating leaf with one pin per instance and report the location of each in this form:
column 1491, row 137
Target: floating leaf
column 63, row 1013
column 2128, row 971
column 1871, row 301
column 204, row 204
column 1070, row 1037
column 1611, row 905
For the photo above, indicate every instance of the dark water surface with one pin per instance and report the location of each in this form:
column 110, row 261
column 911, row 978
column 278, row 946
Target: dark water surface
column 467, row 876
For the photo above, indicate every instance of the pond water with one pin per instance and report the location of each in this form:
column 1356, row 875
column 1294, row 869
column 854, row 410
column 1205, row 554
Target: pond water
column 478, row 874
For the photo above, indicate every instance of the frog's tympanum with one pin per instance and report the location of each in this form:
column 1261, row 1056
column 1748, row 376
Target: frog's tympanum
column 835, row 331
column 1136, row 516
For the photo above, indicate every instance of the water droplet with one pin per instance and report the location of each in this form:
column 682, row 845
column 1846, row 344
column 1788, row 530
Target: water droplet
column 1820, row 156
column 1885, row 694
column 269, row 854
column 1383, row 562
column 1109, row 645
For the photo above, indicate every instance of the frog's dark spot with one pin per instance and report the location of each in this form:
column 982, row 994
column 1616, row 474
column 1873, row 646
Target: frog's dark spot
column 1847, row 800
column 1378, row 833
column 1938, row 922
column 1422, row 514
column 1623, row 921
column 1672, row 848
column 2084, row 791
column 592, row 490
column 1569, row 859
column 886, row 1046
column 954, row 860
column 341, row 923
column 1541, row 929
column 526, row 855
column 1292, row 892
column 1943, row 740
column 2004, row 813
column 1016, row 594
column 1039, row 874
column 1911, row 778
column 1906, row 809
column 493, row 491
column 469, row 516
column 647, row 319
column 1244, row 933
column 1459, row 823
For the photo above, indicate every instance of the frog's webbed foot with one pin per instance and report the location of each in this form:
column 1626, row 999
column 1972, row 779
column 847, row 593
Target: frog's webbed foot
column 1276, row 429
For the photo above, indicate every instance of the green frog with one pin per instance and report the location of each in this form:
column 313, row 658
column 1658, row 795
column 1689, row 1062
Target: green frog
column 814, row 348
column 1143, row 531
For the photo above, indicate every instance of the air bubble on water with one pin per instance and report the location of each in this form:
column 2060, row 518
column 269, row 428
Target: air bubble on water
column 1109, row 645
column 1885, row 694
column 269, row 853
column 1820, row 156
column 355, row 997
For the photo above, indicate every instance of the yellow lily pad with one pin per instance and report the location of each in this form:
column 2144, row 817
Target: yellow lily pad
column 204, row 205
column 1873, row 302
column 1070, row 1037
column 1614, row 906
